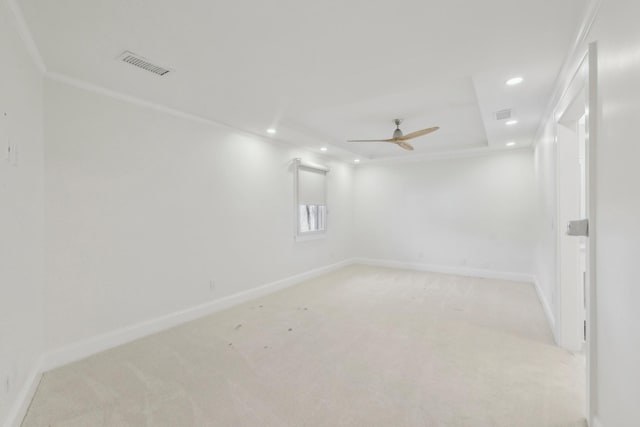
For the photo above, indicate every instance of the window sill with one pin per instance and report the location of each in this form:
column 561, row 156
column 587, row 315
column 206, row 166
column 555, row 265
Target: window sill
column 310, row 236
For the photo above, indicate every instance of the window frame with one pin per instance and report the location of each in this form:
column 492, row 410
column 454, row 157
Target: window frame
column 308, row 235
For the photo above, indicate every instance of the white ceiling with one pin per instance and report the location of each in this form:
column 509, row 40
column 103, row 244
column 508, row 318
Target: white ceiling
column 324, row 71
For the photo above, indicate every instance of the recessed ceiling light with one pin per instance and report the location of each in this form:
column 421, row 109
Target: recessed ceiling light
column 356, row 161
column 511, row 122
column 323, row 148
column 510, row 144
column 514, row 81
column 271, row 131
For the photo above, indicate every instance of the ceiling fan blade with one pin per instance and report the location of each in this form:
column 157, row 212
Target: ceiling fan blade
column 405, row 145
column 369, row 140
column 418, row 133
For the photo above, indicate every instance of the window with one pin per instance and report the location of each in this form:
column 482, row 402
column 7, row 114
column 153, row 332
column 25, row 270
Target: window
column 311, row 218
column 311, row 205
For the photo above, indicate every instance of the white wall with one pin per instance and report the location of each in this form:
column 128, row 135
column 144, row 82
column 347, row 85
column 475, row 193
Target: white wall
column 473, row 213
column 144, row 208
column 615, row 221
column 617, row 213
column 21, row 209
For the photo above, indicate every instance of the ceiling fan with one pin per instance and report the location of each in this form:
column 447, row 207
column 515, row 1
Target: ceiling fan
column 398, row 137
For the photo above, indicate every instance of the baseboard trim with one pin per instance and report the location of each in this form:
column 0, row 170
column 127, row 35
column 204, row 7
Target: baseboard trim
column 19, row 409
column 455, row 270
column 80, row 350
column 551, row 319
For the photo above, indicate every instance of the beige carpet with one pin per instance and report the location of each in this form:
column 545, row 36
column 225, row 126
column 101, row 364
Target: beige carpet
column 362, row 346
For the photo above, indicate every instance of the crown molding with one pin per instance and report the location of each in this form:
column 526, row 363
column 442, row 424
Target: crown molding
column 570, row 65
column 121, row 96
column 101, row 90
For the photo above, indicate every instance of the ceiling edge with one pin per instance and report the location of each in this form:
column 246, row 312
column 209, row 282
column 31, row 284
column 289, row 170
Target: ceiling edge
column 100, row 90
column 457, row 154
column 26, row 36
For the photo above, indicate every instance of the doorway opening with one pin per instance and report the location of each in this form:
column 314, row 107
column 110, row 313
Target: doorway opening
column 571, row 148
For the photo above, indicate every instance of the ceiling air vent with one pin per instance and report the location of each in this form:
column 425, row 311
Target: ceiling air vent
column 503, row 114
column 140, row 62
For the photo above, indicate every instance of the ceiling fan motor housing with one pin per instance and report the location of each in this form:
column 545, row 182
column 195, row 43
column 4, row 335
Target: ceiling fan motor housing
column 397, row 133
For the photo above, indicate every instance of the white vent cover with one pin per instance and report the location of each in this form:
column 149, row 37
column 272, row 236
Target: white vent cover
column 503, row 114
column 140, row 62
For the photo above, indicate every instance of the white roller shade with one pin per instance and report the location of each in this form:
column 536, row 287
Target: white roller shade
column 311, row 186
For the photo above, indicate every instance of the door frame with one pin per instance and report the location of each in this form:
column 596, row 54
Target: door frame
column 584, row 83
column 570, row 310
